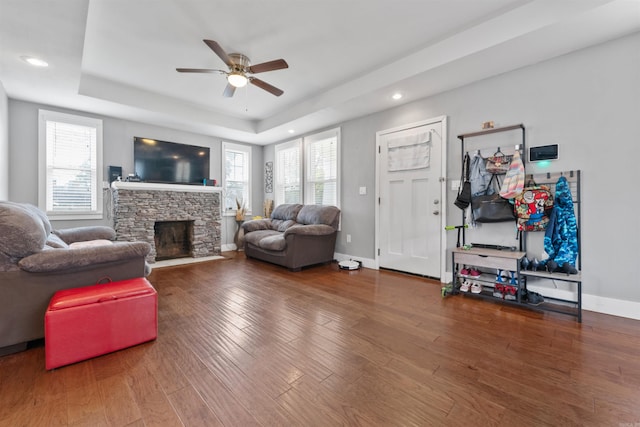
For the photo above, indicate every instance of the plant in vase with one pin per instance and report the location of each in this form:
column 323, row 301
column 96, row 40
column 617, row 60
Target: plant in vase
column 241, row 210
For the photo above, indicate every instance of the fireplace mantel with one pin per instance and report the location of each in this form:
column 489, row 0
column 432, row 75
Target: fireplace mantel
column 150, row 186
column 137, row 206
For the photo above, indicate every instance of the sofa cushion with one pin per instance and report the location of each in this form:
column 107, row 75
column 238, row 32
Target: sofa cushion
column 90, row 243
column 280, row 225
column 266, row 239
column 318, row 214
column 22, row 230
column 286, row 212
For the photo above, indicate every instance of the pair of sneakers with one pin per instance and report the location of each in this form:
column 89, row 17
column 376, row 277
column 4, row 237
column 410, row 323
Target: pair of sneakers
column 474, row 287
column 470, row 272
column 504, row 290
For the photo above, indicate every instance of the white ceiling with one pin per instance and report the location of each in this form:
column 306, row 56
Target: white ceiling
column 346, row 58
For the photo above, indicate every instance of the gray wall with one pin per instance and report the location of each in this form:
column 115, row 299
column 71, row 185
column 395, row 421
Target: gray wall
column 117, row 151
column 4, row 144
column 588, row 102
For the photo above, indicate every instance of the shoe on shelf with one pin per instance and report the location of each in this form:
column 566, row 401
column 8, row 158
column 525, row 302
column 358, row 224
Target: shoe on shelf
column 465, row 286
column 534, row 298
column 510, row 292
column 498, row 290
column 499, row 278
column 464, row 272
column 476, row 288
column 569, row 269
column 525, row 263
column 535, row 264
column 475, row 273
column 513, row 281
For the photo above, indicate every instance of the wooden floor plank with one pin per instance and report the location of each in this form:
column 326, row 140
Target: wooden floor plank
column 246, row 343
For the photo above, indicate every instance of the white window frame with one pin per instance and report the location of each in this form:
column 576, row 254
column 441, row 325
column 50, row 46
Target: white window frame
column 237, row 148
column 303, row 143
column 45, row 116
column 308, row 183
column 277, row 169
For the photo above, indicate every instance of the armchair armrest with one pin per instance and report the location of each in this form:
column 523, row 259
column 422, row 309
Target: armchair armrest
column 310, row 230
column 82, row 234
column 56, row 260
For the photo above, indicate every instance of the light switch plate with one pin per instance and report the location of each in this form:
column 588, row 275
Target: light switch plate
column 363, row 191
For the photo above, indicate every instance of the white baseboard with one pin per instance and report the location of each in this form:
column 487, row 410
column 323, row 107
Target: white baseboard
column 612, row 306
column 228, row 247
column 366, row 262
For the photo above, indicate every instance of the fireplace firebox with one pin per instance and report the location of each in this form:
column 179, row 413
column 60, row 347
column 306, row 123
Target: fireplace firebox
column 173, row 239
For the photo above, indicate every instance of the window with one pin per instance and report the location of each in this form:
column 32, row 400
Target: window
column 237, row 176
column 288, row 171
column 306, row 170
column 70, row 161
column 321, row 166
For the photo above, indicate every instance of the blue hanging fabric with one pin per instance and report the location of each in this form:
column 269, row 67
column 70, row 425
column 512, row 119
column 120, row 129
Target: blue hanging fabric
column 561, row 237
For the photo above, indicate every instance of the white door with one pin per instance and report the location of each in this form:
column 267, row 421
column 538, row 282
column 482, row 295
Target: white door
column 410, row 189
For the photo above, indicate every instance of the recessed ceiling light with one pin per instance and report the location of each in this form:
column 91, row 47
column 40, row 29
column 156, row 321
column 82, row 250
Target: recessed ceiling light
column 291, row 130
column 396, row 96
column 36, row 62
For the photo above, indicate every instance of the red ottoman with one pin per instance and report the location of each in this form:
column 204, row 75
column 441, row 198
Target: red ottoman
column 86, row 322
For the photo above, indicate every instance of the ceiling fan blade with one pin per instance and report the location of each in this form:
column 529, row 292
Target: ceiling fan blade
column 229, row 91
column 197, row 70
column 276, row 64
column 219, row 51
column 266, row 86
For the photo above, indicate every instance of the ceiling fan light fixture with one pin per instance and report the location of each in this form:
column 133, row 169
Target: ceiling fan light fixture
column 237, row 80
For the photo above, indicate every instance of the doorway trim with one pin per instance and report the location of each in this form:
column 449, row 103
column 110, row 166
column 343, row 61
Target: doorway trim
column 443, row 189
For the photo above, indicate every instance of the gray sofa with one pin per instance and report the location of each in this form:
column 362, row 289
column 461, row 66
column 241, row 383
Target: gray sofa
column 295, row 236
column 36, row 261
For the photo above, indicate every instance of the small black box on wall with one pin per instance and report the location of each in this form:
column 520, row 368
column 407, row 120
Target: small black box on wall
column 114, row 173
column 544, row 152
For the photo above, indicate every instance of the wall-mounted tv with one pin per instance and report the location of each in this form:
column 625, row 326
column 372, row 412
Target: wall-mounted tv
column 170, row 162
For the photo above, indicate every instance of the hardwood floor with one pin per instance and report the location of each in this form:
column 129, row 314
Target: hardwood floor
column 245, row 343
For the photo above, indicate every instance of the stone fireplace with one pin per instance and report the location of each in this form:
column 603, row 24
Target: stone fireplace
column 140, row 207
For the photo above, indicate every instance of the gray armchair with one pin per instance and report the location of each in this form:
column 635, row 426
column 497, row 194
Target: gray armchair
column 36, row 262
column 295, row 236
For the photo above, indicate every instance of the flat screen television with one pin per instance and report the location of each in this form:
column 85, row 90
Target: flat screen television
column 170, row 162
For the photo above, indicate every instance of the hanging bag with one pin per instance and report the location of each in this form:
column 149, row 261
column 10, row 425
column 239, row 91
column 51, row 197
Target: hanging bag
column 492, row 208
column 533, row 206
column 464, row 193
column 498, row 164
column 513, row 183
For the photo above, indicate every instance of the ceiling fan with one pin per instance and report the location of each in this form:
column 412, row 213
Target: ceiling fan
column 240, row 70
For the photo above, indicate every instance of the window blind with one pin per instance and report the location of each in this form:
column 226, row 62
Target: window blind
column 288, row 173
column 236, row 179
column 322, row 172
column 71, row 162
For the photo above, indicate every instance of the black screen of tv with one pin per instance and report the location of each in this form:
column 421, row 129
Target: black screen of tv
column 170, row 162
